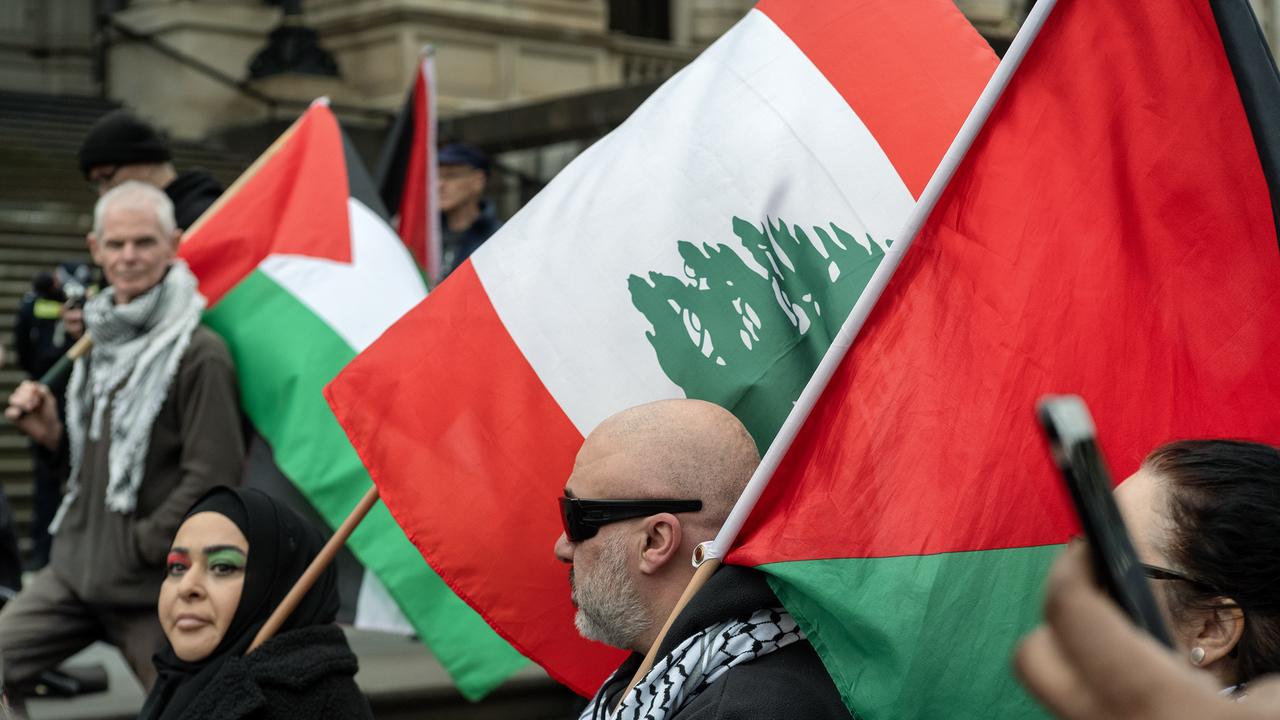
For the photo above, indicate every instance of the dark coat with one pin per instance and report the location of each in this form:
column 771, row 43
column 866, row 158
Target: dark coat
column 459, row 244
column 787, row 683
column 306, row 674
column 192, row 192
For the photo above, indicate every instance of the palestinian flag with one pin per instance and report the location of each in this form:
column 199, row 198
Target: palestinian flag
column 301, row 272
column 709, row 247
column 1111, row 233
column 407, row 170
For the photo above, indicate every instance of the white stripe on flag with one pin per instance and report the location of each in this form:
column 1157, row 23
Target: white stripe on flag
column 752, row 129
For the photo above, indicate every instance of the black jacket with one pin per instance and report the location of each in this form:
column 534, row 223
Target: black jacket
column 459, row 244
column 788, row 683
column 192, row 192
column 305, row 674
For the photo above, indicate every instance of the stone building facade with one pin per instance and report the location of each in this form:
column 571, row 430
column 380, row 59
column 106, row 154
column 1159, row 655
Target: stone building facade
column 490, row 53
column 185, row 63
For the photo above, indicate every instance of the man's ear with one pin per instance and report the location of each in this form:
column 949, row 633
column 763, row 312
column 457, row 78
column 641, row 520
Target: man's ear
column 93, row 247
column 1220, row 631
column 176, row 238
column 663, row 537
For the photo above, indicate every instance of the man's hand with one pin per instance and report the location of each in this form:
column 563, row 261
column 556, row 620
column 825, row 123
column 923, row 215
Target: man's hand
column 33, row 409
column 1089, row 662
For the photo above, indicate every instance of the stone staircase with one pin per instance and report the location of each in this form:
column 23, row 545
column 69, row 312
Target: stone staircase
column 45, row 210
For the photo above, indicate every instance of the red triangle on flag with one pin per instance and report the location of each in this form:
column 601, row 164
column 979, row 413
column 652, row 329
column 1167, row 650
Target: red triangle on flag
column 292, row 201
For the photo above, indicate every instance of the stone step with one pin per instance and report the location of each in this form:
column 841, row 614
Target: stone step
column 45, row 259
column 17, row 100
column 37, row 239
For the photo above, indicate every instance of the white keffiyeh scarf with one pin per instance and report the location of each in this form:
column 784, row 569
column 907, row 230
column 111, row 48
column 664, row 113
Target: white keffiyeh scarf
column 135, row 356
column 696, row 663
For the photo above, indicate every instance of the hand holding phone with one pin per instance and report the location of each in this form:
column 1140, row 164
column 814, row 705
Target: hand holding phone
column 1073, row 442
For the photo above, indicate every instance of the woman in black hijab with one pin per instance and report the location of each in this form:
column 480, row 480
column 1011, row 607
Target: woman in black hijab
column 235, row 557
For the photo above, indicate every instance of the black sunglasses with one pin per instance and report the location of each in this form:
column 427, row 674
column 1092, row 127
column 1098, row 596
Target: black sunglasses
column 584, row 518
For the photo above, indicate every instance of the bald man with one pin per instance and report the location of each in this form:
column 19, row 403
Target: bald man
column 648, row 486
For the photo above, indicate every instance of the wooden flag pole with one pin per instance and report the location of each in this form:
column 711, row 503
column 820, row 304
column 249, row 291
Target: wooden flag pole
column 843, row 340
column 700, row 578
column 63, row 366
column 314, row 570
column 60, row 368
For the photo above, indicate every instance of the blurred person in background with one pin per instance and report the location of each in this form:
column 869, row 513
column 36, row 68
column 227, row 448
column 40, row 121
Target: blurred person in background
column 120, row 147
column 50, row 320
column 152, row 422
column 467, row 218
column 1204, row 516
column 234, row 558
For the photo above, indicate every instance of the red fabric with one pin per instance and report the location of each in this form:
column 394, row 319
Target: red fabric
column 413, row 201
column 895, row 60
column 1110, row 235
column 293, row 204
column 469, row 452
column 464, row 441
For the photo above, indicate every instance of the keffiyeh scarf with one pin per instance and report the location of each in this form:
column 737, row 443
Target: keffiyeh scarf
column 696, row 663
column 135, row 356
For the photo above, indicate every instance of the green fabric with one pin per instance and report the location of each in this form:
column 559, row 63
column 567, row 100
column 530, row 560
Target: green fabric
column 284, row 356
column 745, row 338
column 921, row 636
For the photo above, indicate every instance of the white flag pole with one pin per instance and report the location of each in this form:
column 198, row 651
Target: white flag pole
column 434, row 251
column 707, row 556
column 862, row 308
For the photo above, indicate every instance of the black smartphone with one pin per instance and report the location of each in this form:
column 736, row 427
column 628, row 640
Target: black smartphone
column 1074, row 445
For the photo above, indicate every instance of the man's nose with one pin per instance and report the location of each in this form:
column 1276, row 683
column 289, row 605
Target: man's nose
column 564, row 549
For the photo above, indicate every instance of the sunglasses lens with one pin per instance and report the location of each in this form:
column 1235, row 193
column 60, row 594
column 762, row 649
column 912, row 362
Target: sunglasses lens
column 574, row 528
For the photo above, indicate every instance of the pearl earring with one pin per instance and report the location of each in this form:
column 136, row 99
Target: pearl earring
column 1197, row 656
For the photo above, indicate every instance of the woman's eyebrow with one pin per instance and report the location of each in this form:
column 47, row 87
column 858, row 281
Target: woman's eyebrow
column 211, row 549
column 179, row 551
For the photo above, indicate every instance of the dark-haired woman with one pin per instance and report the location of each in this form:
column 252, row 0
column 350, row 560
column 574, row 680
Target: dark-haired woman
column 1205, row 519
column 235, row 556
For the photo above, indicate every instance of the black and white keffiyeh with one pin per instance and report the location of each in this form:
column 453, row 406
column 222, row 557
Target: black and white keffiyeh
column 136, row 351
column 696, row 663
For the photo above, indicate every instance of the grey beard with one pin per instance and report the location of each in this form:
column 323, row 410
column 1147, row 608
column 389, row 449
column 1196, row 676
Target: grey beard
column 610, row 609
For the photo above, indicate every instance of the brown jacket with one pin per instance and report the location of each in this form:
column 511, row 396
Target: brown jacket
column 114, row 559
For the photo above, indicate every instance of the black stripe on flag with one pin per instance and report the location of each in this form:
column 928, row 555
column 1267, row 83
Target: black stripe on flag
column 1259, row 84
column 359, row 184
column 394, row 160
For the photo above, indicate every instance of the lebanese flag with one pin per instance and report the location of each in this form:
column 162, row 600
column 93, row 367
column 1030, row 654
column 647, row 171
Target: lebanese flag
column 301, row 272
column 1111, row 233
column 709, row 247
column 407, row 170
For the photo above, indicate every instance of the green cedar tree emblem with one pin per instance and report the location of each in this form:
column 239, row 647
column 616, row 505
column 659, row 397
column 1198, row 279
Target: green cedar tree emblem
column 749, row 338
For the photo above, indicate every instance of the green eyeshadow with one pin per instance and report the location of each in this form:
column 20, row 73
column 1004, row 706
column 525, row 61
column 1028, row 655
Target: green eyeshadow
column 226, row 556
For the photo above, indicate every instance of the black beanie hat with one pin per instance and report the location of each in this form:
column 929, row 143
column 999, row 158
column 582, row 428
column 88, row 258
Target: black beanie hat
column 119, row 138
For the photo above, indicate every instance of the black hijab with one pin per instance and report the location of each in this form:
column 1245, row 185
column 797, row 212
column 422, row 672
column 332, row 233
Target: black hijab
column 281, row 546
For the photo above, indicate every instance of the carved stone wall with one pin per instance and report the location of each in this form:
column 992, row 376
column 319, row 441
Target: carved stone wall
column 491, row 54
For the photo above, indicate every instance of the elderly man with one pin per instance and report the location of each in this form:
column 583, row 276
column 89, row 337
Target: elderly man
column 120, row 147
column 466, row 217
column 648, row 486
column 152, row 422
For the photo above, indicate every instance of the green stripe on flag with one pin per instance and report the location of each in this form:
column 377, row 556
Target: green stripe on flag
column 921, row 636
column 284, row 356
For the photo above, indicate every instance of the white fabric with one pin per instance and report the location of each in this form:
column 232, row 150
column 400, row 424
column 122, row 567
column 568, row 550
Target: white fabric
column 752, row 129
